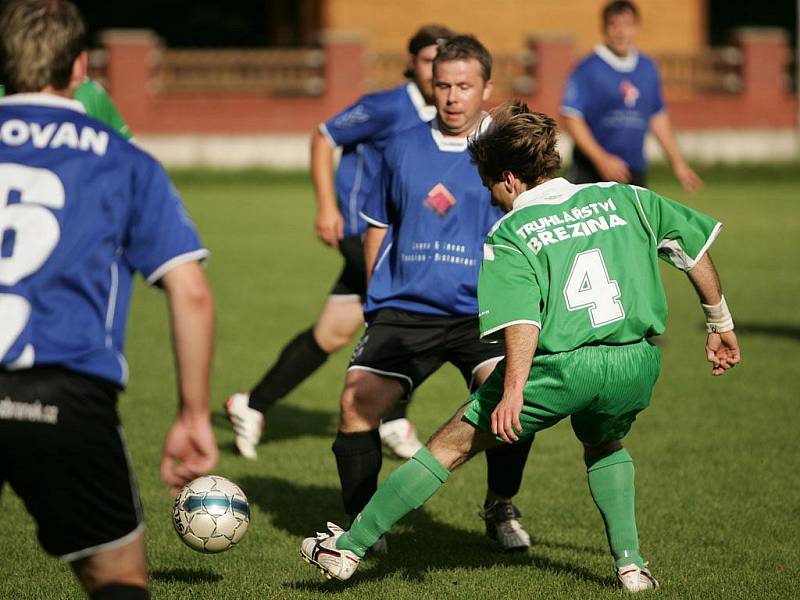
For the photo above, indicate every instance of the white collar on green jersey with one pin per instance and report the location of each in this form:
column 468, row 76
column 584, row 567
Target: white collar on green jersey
column 624, row 64
column 552, row 191
column 41, row 99
column 425, row 111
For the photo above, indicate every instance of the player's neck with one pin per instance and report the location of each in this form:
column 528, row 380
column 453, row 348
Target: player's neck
column 50, row 90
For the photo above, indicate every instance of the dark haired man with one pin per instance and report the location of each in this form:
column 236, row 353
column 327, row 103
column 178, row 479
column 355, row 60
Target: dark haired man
column 423, row 249
column 81, row 210
column 569, row 274
column 611, row 100
column 362, row 131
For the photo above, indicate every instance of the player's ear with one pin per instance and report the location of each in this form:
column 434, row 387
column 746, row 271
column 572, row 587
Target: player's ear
column 508, row 180
column 487, row 89
column 80, row 68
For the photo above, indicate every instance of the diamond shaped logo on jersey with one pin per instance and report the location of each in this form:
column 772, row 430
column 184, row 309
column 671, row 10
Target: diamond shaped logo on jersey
column 630, row 93
column 440, row 200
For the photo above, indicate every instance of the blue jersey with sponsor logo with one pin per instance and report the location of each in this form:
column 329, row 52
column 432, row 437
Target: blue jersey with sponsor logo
column 81, row 209
column 439, row 212
column 363, row 130
column 617, row 97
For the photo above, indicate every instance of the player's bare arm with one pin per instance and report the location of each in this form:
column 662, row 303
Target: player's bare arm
column 722, row 347
column 610, row 167
column 190, row 448
column 372, row 244
column 662, row 129
column 521, row 343
column 329, row 223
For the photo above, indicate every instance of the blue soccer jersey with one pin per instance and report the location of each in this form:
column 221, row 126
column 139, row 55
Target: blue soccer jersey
column 363, row 130
column 81, row 209
column 439, row 212
column 617, row 97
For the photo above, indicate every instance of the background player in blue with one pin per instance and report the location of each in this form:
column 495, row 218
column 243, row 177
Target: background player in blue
column 362, row 131
column 82, row 209
column 612, row 97
column 421, row 302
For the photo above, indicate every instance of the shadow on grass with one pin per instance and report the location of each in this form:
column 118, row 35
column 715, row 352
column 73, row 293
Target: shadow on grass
column 185, row 576
column 418, row 545
column 782, row 330
column 285, row 421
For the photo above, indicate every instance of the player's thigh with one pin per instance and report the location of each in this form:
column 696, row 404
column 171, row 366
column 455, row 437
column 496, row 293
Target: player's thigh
column 123, row 564
column 63, row 453
column 341, row 318
column 400, row 345
column 366, row 398
column 558, row 385
column 631, row 373
column 474, row 359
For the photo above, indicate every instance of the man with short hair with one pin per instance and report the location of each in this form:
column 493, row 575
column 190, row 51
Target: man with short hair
column 422, row 251
column 570, row 274
column 362, row 131
column 82, row 209
column 611, row 100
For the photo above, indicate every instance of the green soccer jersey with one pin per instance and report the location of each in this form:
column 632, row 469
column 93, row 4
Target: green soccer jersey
column 98, row 105
column 581, row 263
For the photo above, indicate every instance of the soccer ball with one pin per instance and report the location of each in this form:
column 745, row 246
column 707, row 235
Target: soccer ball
column 211, row 514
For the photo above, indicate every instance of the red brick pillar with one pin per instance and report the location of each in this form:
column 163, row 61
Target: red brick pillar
column 131, row 54
column 765, row 52
column 344, row 68
column 554, row 57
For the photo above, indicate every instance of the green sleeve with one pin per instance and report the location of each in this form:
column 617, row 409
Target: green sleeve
column 508, row 291
column 98, row 104
column 683, row 235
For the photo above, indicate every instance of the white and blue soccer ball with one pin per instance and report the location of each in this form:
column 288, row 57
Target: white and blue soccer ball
column 211, row 514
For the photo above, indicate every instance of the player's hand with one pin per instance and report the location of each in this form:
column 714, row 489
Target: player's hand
column 330, row 227
column 190, row 450
column 505, row 418
column 613, row 168
column 690, row 180
column 722, row 351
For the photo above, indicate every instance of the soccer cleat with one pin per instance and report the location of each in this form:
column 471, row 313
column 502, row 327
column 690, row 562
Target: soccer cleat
column 502, row 525
column 635, row 579
column 248, row 423
column 400, row 437
column 321, row 552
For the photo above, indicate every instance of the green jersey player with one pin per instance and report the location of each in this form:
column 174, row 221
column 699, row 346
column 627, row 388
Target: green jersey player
column 569, row 274
column 98, row 105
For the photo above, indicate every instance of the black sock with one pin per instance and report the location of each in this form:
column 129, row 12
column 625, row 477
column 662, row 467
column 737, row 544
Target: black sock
column 299, row 359
column 120, row 591
column 504, row 467
column 358, row 458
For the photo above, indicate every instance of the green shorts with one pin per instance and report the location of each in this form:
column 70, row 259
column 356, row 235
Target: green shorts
column 601, row 388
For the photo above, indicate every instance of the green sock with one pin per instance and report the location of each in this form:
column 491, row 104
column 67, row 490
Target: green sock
column 406, row 489
column 611, row 481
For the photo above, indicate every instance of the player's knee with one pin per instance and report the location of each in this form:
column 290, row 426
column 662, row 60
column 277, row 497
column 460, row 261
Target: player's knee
column 354, row 400
column 331, row 340
column 591, row 454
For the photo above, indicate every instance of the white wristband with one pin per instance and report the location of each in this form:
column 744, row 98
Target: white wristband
column 718, row 317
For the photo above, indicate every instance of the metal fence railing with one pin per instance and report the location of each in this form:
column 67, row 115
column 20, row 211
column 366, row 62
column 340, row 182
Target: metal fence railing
column 715, row 70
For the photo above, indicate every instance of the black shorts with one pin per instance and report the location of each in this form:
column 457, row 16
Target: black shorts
column 63, row 452
column 583, row 171
column 410, row 347
column 352, row 282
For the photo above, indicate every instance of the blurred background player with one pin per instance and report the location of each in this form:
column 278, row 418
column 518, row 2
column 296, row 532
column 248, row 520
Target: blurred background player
column 425, row 240
column 81, row 209
column 584, row 299
column 612, row 97
column 97, row 104
column 361, row 131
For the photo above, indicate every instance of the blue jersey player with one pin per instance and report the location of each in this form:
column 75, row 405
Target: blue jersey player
column 613, row 97
column 361, row 131
column 425, row 242
column 81, row 210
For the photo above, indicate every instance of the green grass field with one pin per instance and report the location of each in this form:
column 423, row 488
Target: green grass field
column 717, row 458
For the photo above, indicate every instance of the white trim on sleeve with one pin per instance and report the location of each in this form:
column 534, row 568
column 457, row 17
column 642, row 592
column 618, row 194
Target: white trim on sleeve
column 509, row 324
column 371, row 221
column 173, row 262
column 571, row 112
column 323, row 129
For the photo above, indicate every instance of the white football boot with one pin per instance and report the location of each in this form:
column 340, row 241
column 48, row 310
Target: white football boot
column 502, row 525
column 400, row 437
column 248, row 423
column 321, row 552
column 635, row 579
